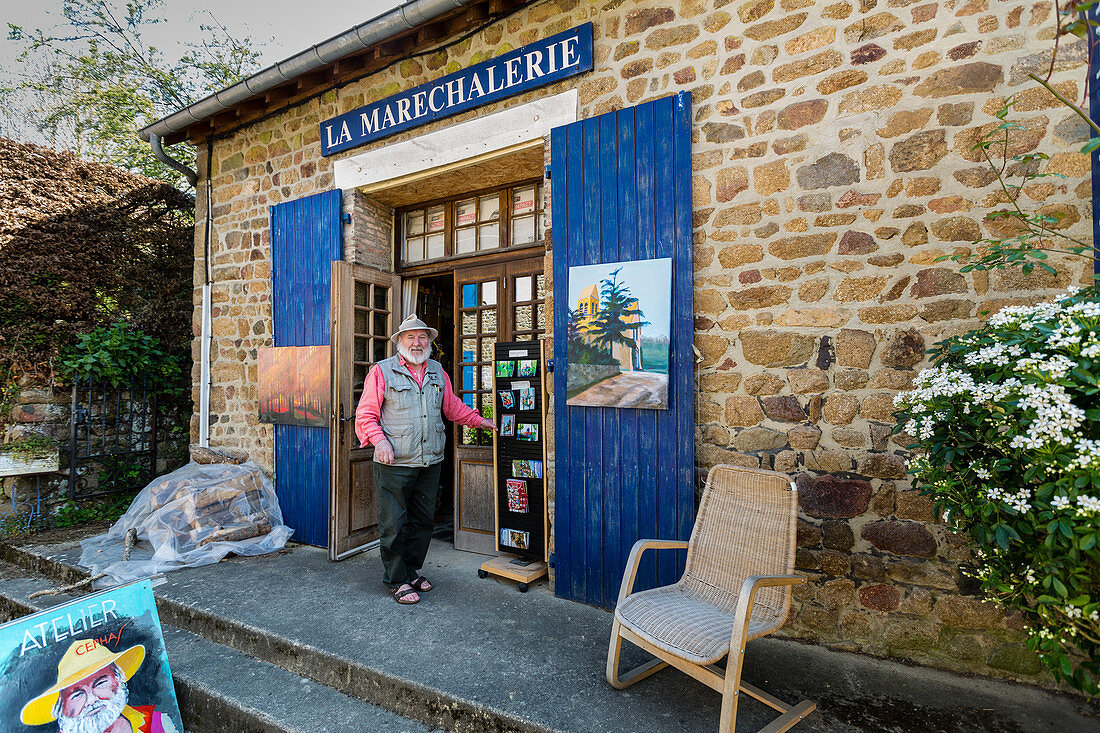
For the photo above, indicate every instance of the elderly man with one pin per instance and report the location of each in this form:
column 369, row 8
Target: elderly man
column 91, row 696
column 405, row 398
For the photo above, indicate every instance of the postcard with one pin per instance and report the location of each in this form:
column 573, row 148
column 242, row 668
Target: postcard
column 527, row 431
column 526, row 469
column 527, row 399
column 508, row 425
column 515, row 538
column 506, row 368
column 507, row 399
column 527, row 368
column 517, row 495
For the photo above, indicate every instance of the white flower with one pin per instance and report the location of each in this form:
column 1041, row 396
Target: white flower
column 1087, row 504
column 1060, row 502
column 982, row 473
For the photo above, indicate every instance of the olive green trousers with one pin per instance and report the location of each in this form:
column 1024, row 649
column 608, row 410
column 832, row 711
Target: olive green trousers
column 406, row 514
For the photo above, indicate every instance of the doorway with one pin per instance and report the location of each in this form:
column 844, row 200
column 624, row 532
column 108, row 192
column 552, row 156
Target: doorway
column 435, row 306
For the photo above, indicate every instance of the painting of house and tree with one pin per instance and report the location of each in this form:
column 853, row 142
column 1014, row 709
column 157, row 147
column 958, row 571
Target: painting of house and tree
column 618, row 334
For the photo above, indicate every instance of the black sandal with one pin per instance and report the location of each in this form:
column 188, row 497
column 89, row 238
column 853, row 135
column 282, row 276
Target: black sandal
column 418, row 584
column 399, row 595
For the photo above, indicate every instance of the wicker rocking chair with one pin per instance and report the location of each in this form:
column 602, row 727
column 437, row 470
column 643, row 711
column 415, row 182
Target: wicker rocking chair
column 736, row 587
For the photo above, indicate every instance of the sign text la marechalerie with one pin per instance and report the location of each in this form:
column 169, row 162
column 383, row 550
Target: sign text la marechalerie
column 536, row 64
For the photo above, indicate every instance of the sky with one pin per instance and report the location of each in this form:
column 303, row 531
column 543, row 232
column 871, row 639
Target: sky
column 278, row 30
column 287, row 28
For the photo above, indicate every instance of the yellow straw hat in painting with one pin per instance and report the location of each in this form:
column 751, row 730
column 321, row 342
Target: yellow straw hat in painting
column 81, row 659
column 412, row 323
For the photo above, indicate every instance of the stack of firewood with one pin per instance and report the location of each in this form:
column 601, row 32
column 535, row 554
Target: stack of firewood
column 233, row 510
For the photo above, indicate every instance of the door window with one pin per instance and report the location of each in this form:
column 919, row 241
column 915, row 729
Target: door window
column 528, row 312
column 370, row 337
column 477, row 332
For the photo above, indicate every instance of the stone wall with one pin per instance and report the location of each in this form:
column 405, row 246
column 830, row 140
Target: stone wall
column 37, row 410
column 368, row 236
column 832, row 167
column 583, row 375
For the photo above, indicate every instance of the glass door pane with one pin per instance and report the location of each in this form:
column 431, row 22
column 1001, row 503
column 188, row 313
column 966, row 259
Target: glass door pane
column 477, row 327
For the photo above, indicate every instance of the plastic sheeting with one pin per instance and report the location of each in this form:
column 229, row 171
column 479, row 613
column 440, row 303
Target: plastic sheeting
column 194, row 516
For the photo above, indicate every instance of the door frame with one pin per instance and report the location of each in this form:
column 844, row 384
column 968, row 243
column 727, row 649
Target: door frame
column 469, row 539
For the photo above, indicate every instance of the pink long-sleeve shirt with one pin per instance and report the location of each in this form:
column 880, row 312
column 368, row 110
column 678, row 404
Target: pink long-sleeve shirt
column 369, row 412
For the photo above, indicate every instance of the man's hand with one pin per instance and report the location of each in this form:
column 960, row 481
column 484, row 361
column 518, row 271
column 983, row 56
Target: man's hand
column 383, row 452
column 488, row 424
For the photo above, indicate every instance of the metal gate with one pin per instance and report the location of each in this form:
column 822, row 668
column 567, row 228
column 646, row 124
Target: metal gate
column 118, row 432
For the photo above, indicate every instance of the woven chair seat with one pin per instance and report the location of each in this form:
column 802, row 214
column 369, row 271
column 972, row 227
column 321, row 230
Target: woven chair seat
column 685, row 626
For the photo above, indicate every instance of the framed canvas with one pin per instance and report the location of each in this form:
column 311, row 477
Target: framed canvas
column 295, row 385
column 619, row 331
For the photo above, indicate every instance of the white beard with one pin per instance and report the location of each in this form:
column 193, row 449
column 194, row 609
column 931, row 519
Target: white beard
column 412, row 358
column 105, row 713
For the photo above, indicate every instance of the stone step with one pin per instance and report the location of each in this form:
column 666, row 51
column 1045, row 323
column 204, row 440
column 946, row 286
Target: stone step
column 223, row 690
column 410, row 700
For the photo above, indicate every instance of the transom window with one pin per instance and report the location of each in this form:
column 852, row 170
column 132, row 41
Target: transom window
column 505, row 217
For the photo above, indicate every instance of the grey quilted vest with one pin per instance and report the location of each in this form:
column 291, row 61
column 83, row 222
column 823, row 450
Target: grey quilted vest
column 412, row 415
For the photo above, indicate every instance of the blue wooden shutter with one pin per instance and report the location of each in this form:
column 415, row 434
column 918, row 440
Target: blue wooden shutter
column 305, row 238
column 621, row 190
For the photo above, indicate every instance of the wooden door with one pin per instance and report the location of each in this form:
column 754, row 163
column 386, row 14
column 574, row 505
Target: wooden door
column 492, row 302
column 362, row 319
column 622, row 191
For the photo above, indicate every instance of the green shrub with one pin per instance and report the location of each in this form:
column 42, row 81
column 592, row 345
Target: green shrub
column 1008, row 428
column 118, row 355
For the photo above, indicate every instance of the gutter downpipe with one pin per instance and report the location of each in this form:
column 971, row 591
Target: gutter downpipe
column 158, row 153
column 206, row 332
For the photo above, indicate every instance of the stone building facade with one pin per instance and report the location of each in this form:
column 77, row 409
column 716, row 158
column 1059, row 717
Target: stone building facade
column 832, row 168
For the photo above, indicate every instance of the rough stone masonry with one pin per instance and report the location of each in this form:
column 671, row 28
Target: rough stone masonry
column 832, row 167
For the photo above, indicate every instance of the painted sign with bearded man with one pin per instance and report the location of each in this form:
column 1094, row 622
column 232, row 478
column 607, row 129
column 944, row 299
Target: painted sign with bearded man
column 93, row 665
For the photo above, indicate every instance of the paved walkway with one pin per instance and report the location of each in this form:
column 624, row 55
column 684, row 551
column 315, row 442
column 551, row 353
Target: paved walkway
column 536, row 662
column 629, row 389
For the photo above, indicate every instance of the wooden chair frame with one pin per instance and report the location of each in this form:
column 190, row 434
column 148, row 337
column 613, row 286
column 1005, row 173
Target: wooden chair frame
column 727, row 683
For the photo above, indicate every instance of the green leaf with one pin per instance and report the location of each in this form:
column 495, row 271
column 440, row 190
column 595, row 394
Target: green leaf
column 1091, row 145
column 1060, row 587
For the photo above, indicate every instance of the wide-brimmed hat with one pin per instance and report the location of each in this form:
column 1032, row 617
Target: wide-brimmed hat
column 82, row 658
column 412, row 323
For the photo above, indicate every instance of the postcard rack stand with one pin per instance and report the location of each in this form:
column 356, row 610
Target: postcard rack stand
column 519, row 464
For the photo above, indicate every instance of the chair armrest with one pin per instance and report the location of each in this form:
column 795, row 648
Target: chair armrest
column 768, row 581
column 635, row 557
column 745, row 600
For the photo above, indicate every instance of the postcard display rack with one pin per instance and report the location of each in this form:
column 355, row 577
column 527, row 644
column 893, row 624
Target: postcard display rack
column 519, row 463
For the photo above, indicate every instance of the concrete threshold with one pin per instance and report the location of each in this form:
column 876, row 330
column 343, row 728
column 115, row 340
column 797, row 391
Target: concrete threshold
column 475, row 655
column 222, row 690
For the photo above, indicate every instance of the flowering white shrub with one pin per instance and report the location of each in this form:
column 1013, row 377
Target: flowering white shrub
column 1007, row 427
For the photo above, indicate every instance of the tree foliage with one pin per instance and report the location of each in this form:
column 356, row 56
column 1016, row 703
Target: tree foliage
column 89, row 84
column 85, row 245
column 617, row 316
